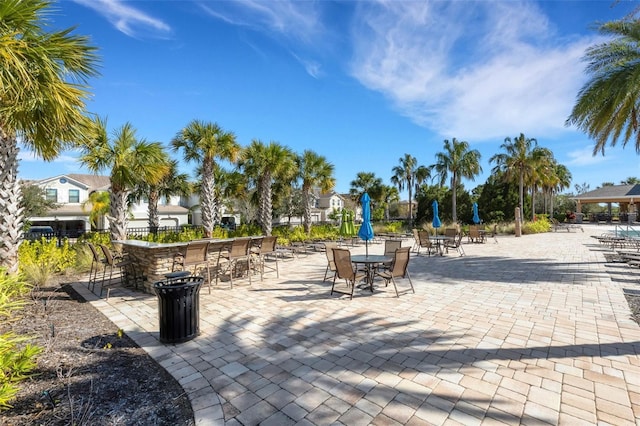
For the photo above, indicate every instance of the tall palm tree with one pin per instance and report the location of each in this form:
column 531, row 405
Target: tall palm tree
column 205, row 143
column 314, row 171
column 390, row 195
column 172, row 183
column 264, row 164
column 541, row 166
column 560, row 180
column 515, row 162
column 409, row 175
column 98, row 202
column 461, row 162
column 129, row 161
column 43, row 91
column 607, row 105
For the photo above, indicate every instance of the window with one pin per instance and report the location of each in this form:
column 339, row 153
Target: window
column 74, row 195
column 52, row 195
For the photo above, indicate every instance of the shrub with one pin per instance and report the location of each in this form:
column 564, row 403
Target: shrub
column 39, row 260
column 16, row 361
column 537, row 227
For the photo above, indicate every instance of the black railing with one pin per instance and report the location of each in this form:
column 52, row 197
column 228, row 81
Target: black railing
column 143, row 231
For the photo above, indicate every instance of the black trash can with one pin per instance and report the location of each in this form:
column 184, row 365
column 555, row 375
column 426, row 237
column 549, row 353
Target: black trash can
column 179, row 308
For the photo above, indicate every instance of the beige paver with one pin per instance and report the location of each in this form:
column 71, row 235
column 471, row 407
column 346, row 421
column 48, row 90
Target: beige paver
column 532, row 329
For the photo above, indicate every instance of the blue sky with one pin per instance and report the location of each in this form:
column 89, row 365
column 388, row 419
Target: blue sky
column 360, row 82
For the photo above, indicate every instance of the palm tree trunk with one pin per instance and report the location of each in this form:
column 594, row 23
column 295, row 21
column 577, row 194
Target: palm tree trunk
column 10, row 196
column 307, row 209
column 533, row 203
column 265, row 208
column 118, row 214
column 454, row 202
column 154, row 220
column 207, row 200
column 519, row 219
column 410, row 187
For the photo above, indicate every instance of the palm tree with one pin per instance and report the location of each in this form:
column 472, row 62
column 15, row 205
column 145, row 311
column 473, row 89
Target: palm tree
column 607, row 105
column 172, row 183
column 460, row 161
column 515, row 163
column 205, row 143
column 43, row 84
column 365, row 182
column 409, row 175
column 390, row 195
column 264, row 164
column 561, row 179
column 314, row 171
column 129, row 160
column 541, row 166
column 630, row 181
column 99, row 203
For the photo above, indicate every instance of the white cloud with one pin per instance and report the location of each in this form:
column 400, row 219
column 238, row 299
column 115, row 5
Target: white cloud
column 585, row 157
column 296, row 20
column 472, row 70
column 127, row 19
column 297, row 23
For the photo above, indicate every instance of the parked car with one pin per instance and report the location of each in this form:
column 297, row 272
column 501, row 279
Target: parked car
column 36, row 232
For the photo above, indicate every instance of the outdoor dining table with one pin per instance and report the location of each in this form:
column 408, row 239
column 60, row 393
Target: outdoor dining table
column 439, row 241
column 370, row 262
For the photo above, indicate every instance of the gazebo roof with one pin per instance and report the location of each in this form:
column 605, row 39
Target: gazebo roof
column 611, row 194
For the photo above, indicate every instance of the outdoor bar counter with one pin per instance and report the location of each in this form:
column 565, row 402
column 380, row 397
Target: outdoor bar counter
column 153, row 260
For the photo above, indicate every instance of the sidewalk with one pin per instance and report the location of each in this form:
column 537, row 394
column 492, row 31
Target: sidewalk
column 532, row 330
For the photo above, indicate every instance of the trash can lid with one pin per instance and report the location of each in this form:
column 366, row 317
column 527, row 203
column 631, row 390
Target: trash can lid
column 179, row 282
column 177, row 274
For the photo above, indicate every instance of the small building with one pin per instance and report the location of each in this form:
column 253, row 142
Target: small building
column 623, row 195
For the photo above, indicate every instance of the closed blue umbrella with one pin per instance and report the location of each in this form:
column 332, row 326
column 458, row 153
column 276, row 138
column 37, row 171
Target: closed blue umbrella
column 436, row 220
column 476, row 218
column 366, row 230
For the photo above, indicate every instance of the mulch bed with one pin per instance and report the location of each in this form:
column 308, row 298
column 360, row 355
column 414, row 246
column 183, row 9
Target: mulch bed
column 89, row 372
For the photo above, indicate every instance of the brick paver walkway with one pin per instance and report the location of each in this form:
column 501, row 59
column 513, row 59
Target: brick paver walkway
column 531, row 330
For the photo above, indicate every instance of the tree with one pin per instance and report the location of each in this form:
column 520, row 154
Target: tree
column 515, row 163
column 171, row 184
column 460, row 161
column 34, row 202
column 559, row 180
column 607, row 105
column 369, row 183
column 630, row 181
column 541, row 168
column 205, row 143
column 99, row 203
column 390, row 196
column 314, row 171
column 409, row 175
column 42, row 101
column 129, row 161
column 263, row 164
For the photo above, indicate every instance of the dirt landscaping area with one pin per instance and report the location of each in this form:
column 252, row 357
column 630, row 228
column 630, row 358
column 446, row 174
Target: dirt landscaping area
column 89, row 371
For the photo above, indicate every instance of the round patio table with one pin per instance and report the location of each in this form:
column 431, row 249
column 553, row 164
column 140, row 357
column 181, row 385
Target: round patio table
column 370, row 262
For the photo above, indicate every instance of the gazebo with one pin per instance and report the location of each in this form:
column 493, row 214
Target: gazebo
column 624, row 195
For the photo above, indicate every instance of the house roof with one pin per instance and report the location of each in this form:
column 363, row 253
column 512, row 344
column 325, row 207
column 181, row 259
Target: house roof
column 611, row 194
column 93, row 182
column 90, row 182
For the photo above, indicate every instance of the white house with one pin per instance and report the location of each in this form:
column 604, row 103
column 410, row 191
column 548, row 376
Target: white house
column 70, row 191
